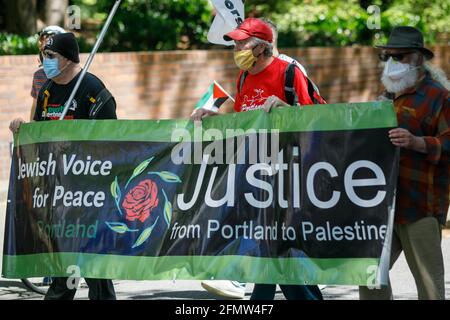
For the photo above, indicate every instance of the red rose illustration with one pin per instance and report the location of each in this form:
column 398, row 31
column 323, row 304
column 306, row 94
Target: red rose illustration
column 141, row 200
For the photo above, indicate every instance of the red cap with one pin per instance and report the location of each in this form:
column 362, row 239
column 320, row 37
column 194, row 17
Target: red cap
column 251, row 27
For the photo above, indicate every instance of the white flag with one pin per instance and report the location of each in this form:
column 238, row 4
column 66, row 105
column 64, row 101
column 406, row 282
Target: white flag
column 229, row 14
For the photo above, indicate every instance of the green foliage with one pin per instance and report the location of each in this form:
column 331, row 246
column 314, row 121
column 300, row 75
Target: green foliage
column 340, row 23
column 431, row 17
column 142, row 25
column 321, row 23
column 11, row 44
column 157, row 25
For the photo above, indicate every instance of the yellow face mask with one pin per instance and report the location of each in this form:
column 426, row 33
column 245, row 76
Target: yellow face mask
column 244, row 59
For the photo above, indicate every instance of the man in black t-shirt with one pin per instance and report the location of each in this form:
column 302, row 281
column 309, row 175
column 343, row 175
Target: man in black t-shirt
column 92, row 101
column 53, row 96
column 61, row 65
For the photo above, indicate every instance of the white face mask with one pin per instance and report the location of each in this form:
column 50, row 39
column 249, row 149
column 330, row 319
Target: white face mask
column 397, row 70
column 398, row 77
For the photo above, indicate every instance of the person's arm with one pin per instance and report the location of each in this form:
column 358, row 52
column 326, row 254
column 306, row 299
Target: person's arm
column 439, row 144
column 108, row 111
column 34, row 95
column 33, row 109
column 101, row 105
column 434, row 146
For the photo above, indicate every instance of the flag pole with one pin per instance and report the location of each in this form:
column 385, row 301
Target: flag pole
column 90, row 58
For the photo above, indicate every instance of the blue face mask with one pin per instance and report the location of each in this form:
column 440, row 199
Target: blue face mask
column 51, row 68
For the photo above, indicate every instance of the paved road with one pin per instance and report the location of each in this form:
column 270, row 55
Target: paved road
column 402, row 282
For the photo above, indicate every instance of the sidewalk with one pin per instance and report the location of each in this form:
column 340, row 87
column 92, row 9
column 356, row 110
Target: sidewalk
column 401, row 278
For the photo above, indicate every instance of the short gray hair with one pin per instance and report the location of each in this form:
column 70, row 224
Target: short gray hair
column 268, row 50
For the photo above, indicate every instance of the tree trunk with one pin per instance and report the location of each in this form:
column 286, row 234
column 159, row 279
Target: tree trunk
column 2, row 15
column 20, row 16
column 55, row 12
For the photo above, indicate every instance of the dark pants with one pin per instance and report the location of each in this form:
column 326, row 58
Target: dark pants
column 291, row 292
column 99, row 289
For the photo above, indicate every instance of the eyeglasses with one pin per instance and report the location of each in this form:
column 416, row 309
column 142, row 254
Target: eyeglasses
column 395, row 56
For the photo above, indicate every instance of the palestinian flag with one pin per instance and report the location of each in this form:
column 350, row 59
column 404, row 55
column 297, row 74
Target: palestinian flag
column 213, row 98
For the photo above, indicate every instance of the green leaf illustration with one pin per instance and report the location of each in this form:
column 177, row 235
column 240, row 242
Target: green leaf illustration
column 144, row 235
column 119, row 227
column 118, row 207
column 139, row 169
column 119, row 193
column 115, row 190
column 167, row 209
column 167, row 176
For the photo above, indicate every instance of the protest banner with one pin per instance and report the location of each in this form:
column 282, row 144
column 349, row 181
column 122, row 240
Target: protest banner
column 297, row 195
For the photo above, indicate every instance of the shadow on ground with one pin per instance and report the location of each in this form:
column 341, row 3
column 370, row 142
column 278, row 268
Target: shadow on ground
column 196, row 295
column 16, row 289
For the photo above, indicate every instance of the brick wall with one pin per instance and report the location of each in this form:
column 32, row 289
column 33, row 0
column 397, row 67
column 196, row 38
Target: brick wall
column 168, row 84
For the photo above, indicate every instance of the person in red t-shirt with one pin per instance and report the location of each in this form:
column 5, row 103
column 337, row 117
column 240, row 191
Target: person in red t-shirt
column 264, row 83
column 263, row 87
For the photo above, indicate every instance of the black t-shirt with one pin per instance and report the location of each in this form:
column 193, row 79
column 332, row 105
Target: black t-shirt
column 82, row 104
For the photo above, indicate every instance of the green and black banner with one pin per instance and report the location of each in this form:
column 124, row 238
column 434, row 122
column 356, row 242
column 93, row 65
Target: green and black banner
column 296, row 196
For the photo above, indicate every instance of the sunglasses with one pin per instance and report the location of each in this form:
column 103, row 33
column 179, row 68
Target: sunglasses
column 395, row 56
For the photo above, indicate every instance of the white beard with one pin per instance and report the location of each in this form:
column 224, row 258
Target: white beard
column 407, row 81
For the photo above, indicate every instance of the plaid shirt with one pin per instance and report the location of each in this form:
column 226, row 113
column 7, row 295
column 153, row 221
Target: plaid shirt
column 423, row 184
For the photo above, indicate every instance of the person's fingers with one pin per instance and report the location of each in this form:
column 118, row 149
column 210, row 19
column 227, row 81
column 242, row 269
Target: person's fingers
column 206, row 114
column 14, row 126
column 196, row 115
column 267, row 107
column 401, row 142
column 398, row 144
column 393, row 133
column 396, row 137
column 199, row 114
column 278, row 102
column 400, row 138
column 399, row 134
column 269, row 103
column 396, row 130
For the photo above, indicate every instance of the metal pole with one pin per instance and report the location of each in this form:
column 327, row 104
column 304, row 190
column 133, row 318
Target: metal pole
column 90, row 58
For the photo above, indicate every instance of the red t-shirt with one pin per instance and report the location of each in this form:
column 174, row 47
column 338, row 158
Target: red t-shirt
column 269, row 82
